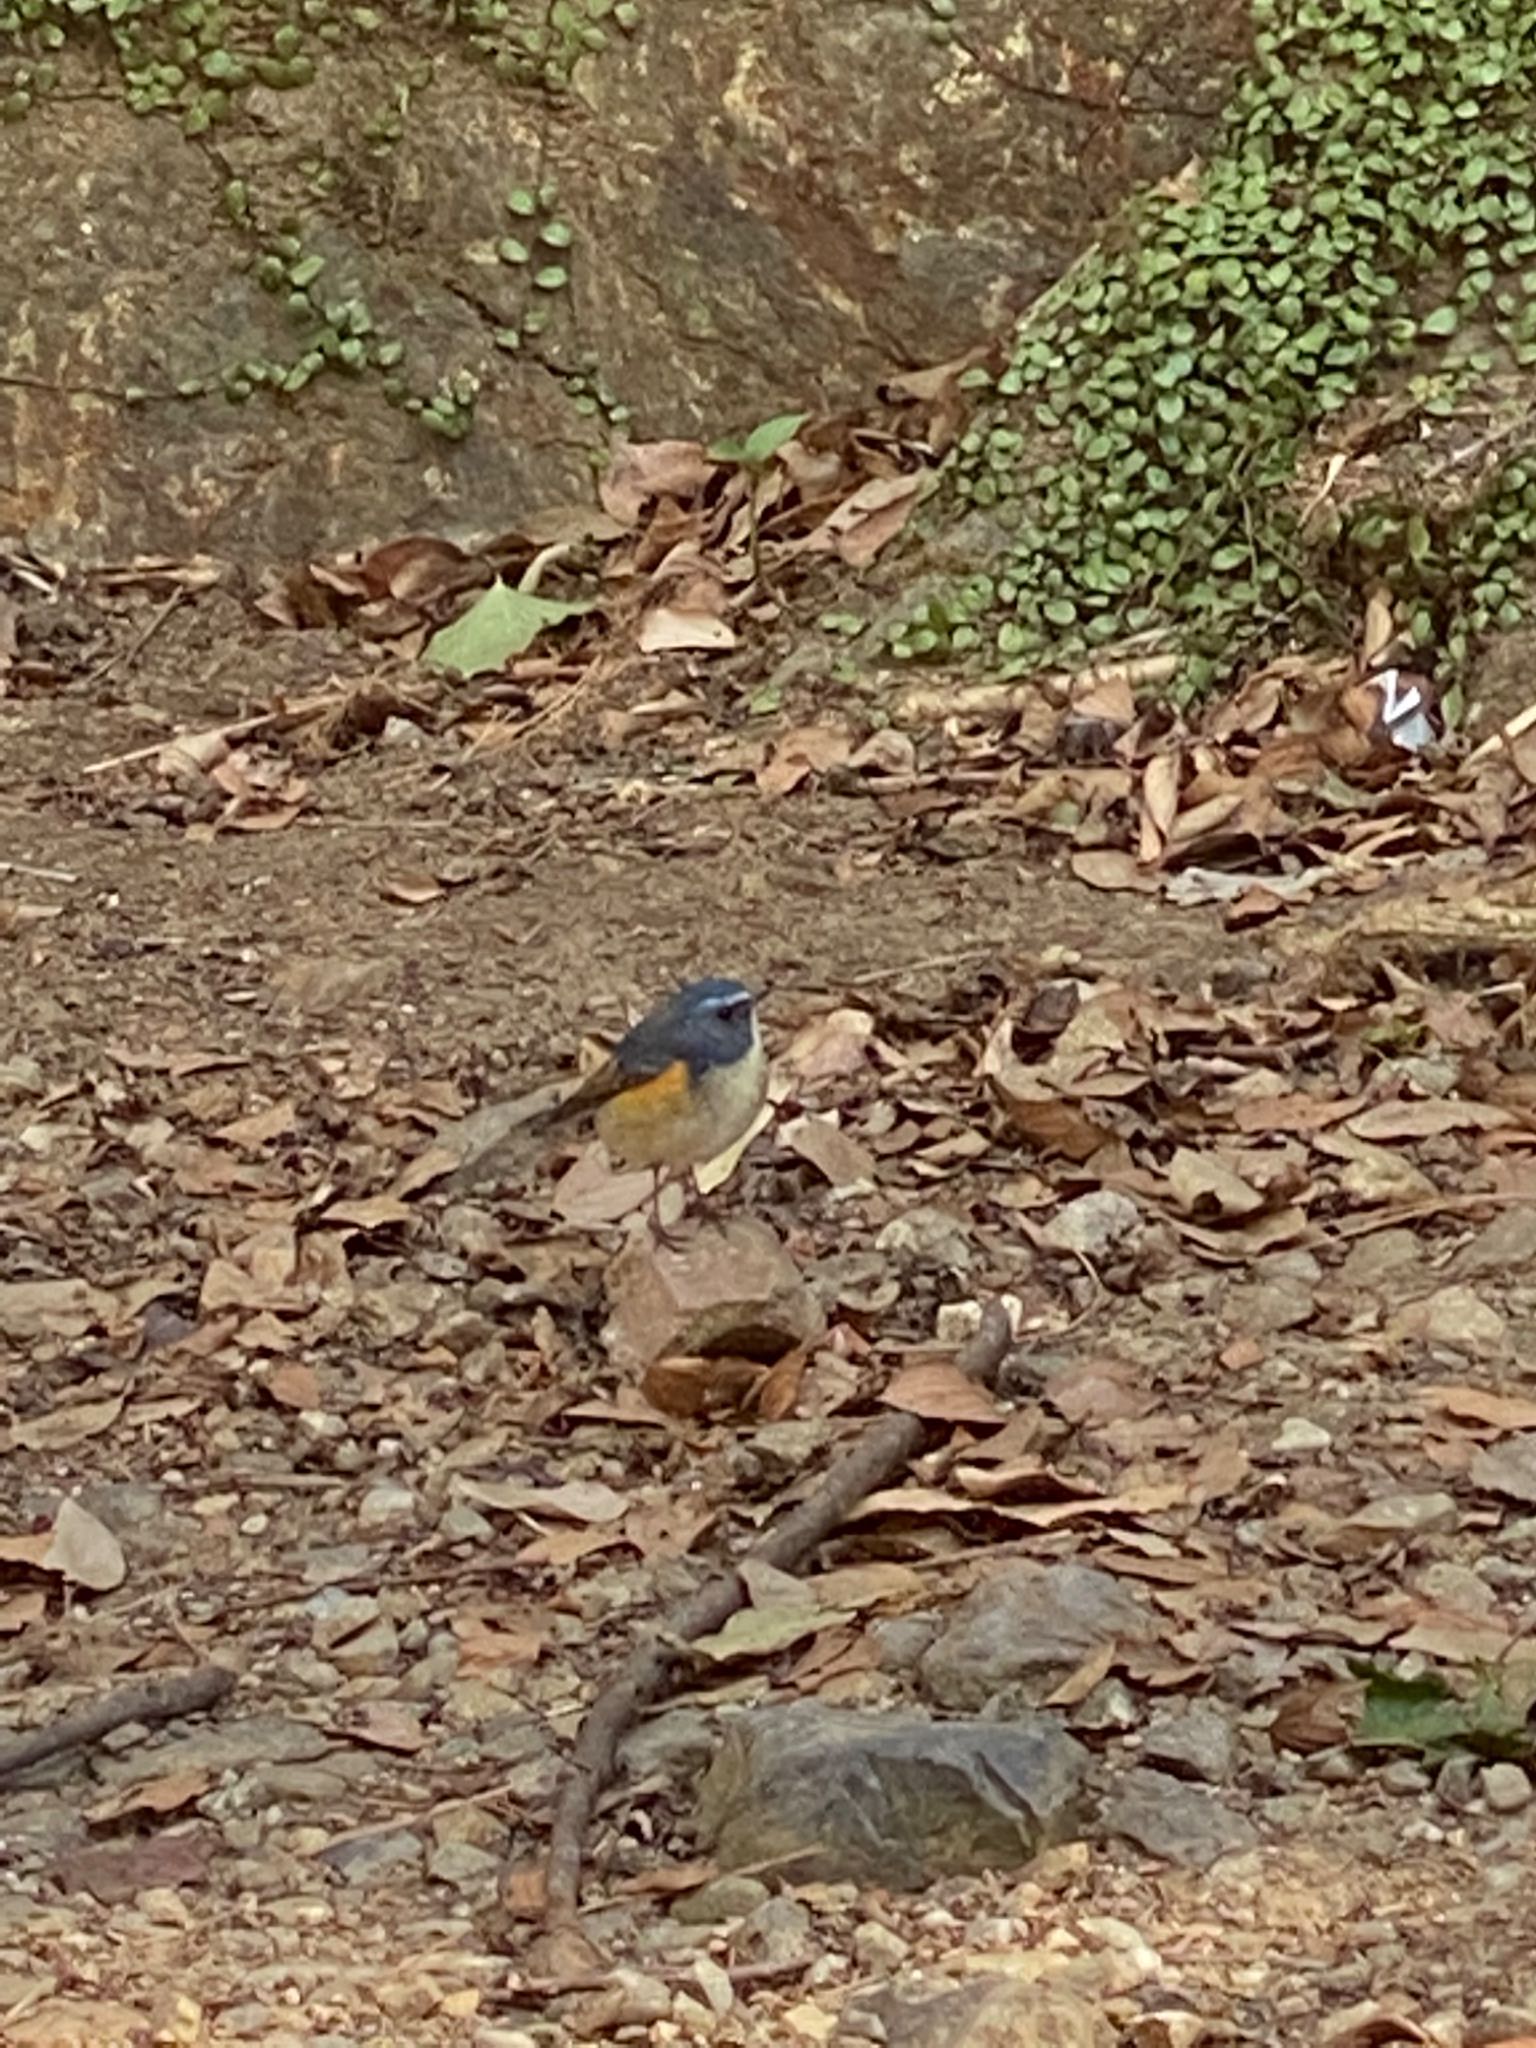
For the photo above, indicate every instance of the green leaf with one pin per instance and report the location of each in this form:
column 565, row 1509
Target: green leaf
column 764, row 442
column 1444, row 320
column 500, row 623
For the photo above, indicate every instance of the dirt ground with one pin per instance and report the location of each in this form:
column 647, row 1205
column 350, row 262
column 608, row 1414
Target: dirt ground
column 218, row 1040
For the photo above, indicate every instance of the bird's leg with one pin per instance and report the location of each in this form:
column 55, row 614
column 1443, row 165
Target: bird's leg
column 659, row 1231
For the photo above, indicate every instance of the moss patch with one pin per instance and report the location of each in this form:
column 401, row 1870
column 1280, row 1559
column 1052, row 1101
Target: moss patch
column 1363, row 240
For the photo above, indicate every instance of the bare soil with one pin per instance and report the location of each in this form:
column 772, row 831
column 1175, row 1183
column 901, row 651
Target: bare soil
column 169, row 978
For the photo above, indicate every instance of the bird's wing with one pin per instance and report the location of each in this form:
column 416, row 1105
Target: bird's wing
column 639, row 1057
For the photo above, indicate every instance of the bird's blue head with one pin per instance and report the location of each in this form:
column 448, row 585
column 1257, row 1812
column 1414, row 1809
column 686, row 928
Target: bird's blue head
column 709, row 1024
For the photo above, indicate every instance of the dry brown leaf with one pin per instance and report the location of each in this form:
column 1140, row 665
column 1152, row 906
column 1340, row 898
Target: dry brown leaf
column 293, row 1386
column 1426, row 1119
column 1205, row 1185
column 671, row 628
column 84, row 1550
column 797, row 755
column 387, row 1724
column 151, row 1795
column 1106, row 867
column 66, row 1427
column 939, row 1391
column 578, row 1500
column 831, row 1046
column 839, row 1159
column 21, row 1610
column 369, row 1212
column 1499, row 1412
column 413, row 886
column 639, row 470
column 491, row 1640
column 687, row 1386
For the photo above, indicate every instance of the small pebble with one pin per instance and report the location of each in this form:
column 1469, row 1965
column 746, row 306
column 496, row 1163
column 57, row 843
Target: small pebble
column 1506, row 1788
column 1404, row 1777
column 1297, row 1437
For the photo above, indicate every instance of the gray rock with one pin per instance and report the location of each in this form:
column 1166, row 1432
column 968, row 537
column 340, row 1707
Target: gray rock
column 1506, row 1788
column 234, row 1746
column 369, row 1859
column 992, row 2012
column 1028, row 1626
column 927, row 1236
column 1192, row 1740
column 728, row 1287
column 677, row 1744
column 1181, row 1823
column 335, row 1615
column 1454, row 1783
column 903, row 1639
column 724, row 1898
column 1505, row 1247
column 463, row 1524
column 1110, row 1709
column 329, row 1564
column 463, row 1865
column 1404, row 1777
column 1263, row 1308
column 385, row 1506
column 1299, row 1437
column 777, row 1932
column 1095, row 1224
column 372, row 1653
column 888, row 1799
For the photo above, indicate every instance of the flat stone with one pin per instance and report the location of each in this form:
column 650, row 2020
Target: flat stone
column 463, row 1524
column 776, row 1932
column 723, row 1898
column 1025, row 1628
column 232, row 1746
column 463, row 1865
column 1192, row 1741
column 1503, row 1249
column 1506, row 1788
column 370, row 1859
column 1182, row 1823
column 335, row 1615
column 371, row 1654
column 992, row 2012
column 1453, row 1319
column 385, row 1506
column 675, row 1744
column 1263, row 1308
column 1095, row 1225
column 731, row 1287
column 888, row 1799
column 1298, row 1437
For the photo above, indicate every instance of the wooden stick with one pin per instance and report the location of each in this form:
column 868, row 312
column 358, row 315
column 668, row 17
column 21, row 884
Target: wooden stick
column 159, row 1699
column 237, row 729
column 880, row 1452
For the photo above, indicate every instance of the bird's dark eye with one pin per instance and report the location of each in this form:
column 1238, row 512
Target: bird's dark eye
column 734, row 1009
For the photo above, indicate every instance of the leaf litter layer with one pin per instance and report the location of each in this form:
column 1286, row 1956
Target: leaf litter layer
column 1262, row 1208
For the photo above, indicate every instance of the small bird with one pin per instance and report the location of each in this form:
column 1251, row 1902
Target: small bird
column 681, row 1087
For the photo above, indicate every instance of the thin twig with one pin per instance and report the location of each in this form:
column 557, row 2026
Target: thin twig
column 237, row 729
column 880, row 1452
column 159, row 1699
column 24, row 867
column 141, row 640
